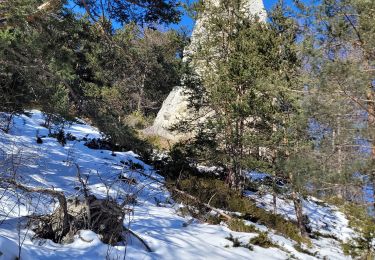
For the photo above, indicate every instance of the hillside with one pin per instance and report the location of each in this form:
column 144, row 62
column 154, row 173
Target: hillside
column 153, row 215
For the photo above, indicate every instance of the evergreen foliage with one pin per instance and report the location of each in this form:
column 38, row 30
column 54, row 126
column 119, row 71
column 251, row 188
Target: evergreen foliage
column 70, row 65
column 339, row 49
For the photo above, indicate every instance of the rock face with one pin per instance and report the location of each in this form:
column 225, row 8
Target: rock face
column 199, row 34
column 175, row 107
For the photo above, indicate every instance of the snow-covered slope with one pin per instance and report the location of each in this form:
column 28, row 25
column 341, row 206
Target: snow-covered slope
column 154, row 216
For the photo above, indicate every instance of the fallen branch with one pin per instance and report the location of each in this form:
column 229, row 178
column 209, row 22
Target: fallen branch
column 220, row 212
column 56, row 194
column 148, row 248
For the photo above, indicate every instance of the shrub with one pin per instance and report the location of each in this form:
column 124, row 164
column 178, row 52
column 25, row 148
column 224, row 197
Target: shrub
column 176, row 165
column 213, row 219
column 219, row 195
column 262, row 240
column 300, row 249
column 362, row 246
column 237, row 243
column 138, row 120
column 60, row 136
column 136, row 166
column 239, row 226
column 156, row 141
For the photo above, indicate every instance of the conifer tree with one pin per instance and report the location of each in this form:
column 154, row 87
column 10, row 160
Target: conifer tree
column 251, row 87
column 341, row 59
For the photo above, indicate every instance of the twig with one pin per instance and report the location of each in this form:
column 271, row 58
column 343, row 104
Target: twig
column 86, row 195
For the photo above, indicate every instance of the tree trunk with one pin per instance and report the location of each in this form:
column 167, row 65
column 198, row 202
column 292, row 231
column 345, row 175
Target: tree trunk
column 231, row 178
column 141, row 93
column 371, row 126
column 339, row 149
column 274, row 199
column 8, row 122
column 274, row 195
column 299, row 213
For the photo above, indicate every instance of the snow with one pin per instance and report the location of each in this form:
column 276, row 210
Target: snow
column 325, row 219
column 257, row 176
column 154, row 216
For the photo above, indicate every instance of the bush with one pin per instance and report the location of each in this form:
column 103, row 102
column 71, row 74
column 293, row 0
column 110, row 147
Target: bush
column 137, row 120
column 157, row 142
column 60, row 136
column 300, row 249
column 363, row 246
column 177, row 165
column 237, row 243
column 6, row 121
column 262, row 240
column 219, row 195
column 213, row 219
column 122, row 137
column 106, row 219
column 239, row 226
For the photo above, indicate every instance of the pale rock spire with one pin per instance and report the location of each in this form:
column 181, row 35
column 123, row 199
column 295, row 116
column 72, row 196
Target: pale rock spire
column 199, row 34
column 175, row 107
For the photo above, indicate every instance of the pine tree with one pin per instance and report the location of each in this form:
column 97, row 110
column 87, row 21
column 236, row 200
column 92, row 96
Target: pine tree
column 69, row 64
column 252, row 96
column 342, row 93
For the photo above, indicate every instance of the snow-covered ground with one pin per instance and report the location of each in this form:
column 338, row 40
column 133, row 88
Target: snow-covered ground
column 323, row 218
column 155, row 218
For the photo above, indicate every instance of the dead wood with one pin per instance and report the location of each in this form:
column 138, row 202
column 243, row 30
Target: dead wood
column 139, row 238
column 62, row 225
column 106, row 216
column 106, row 220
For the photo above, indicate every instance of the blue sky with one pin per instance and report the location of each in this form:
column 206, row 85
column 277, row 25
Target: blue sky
column 188, row 23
